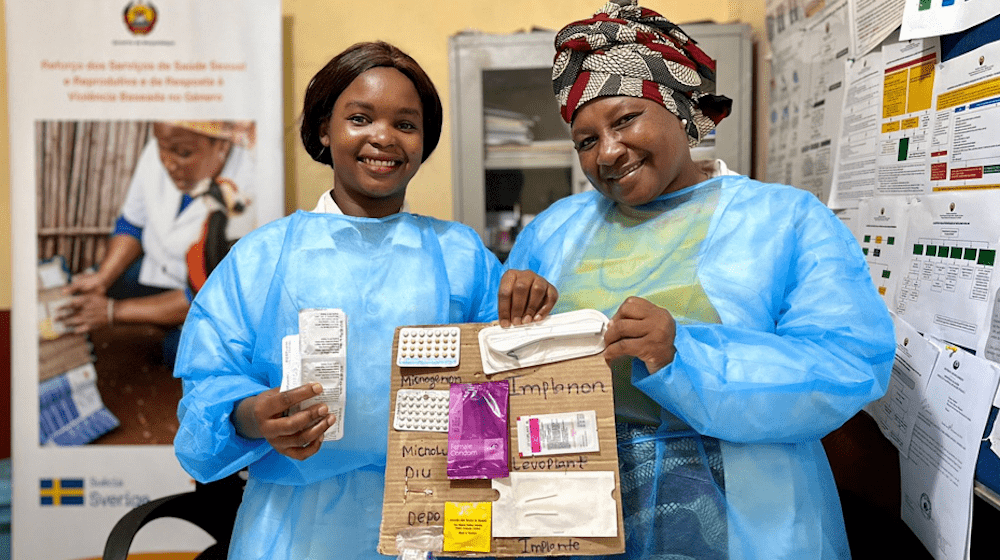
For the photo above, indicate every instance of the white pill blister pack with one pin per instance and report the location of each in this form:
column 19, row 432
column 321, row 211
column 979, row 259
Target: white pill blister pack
column 421, row 410
column 428, row 347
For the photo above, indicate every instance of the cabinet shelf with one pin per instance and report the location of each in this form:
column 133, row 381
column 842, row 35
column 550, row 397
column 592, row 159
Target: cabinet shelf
column 513, row 74
column 537, row 155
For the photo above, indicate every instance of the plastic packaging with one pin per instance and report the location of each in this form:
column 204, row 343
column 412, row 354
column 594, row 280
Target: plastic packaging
column 477, row 430
column 558, row 337
column 419, row 543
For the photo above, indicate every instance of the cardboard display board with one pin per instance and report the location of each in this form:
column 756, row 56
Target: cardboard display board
column 416, row 482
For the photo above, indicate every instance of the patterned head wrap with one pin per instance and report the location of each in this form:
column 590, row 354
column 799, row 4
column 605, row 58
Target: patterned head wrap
column 626, row 49
column 241, row 133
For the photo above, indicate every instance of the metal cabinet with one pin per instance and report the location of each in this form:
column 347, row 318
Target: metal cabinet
column 512, row 153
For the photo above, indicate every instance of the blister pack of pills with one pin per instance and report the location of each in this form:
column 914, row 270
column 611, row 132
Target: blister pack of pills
column 428, row 347
column 321, row 358
column 421, row 410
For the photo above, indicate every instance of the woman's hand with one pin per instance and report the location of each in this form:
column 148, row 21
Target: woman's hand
column 524, row 297
column 90, row 283
column 642, row 330
column 87, row 312
column 297, row 435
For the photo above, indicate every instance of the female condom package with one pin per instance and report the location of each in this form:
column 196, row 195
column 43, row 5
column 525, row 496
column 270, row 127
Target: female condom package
column 477, row 430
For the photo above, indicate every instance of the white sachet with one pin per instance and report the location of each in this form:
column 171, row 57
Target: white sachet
column 556, row 338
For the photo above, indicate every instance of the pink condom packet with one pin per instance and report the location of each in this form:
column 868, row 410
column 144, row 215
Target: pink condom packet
column 477, row 430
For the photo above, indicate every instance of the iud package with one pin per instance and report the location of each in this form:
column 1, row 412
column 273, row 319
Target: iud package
column 477, row 430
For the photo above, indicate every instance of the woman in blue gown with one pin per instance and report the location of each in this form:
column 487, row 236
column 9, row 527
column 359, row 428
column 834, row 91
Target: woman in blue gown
column 374, row 116
column 745, row 325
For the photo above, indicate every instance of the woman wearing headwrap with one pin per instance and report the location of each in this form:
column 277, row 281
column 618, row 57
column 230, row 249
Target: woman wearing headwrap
column 185, row 205
column 744, row 325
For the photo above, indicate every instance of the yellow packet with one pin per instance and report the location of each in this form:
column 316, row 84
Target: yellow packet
column 467, row 526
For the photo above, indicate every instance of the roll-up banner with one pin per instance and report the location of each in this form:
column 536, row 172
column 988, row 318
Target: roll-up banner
column 146, row 138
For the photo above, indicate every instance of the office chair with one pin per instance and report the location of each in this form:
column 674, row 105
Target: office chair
column 211, row 507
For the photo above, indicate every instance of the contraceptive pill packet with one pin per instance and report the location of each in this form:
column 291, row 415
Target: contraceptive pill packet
column 322, row 355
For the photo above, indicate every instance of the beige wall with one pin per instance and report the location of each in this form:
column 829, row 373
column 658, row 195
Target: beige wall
column 315, row 30
column 5, row 264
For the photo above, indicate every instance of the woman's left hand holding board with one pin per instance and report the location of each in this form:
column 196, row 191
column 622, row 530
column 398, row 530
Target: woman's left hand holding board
column 524, row 297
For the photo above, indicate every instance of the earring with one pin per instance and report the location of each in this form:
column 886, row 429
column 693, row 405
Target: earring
column 684, row 123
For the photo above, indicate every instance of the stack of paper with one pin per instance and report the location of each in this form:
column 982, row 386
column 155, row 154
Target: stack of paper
column 507, row 127
column 70, row 411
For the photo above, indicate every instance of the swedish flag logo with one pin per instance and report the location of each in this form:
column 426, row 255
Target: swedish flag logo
column 61, row 491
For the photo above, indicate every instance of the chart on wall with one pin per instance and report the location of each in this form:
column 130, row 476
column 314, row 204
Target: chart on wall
column 150, row 140
column 950, row 273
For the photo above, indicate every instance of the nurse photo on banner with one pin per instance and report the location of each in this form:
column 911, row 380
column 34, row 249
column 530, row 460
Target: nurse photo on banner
column 174, row 195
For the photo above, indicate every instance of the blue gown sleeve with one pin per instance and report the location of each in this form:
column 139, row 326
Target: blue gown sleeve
column 489, row 284
column 215, row 365
column 828, row 351
column 473, row 272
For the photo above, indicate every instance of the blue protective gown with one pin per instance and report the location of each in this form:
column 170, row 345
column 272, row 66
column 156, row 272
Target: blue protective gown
column 399, row 270
column 781, row 338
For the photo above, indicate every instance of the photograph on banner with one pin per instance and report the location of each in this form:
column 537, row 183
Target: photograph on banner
column 132, row 217
column 149, row 138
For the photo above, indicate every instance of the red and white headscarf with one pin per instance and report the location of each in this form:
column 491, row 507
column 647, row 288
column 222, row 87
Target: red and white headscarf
column 626, row 49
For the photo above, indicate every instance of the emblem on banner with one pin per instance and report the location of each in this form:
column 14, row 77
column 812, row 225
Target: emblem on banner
column 140, row 17
column 61, row 491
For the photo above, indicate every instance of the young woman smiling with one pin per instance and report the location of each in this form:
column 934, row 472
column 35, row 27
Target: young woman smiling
column 374, row 116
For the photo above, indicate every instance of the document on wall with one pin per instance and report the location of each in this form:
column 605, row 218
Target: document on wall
column 936, row 476
column 855, row 166
column 880, row 227
column 848, row 217
column 965, row 153
column 896, row 412
column 950, row 276
column 785, row 16
column 991, row 346
column 926, row 18
column 826, row 48
column 907, row 113
column 788, row 66
column 871, row 22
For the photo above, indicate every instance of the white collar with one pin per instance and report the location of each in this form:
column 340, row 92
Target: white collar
column 715, row 168
column 326, row 204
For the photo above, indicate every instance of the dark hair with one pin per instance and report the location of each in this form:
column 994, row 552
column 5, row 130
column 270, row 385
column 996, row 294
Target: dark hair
column 327, row 85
